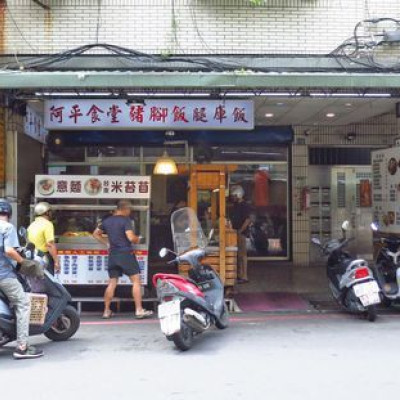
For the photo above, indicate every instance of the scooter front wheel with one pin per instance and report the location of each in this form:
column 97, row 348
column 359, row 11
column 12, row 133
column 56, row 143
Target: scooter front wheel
column 371, row 313
column 65, row 326
column 223, row 322
column 183, row 339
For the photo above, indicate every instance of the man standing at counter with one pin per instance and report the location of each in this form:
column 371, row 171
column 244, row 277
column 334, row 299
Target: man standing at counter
column 121, row 259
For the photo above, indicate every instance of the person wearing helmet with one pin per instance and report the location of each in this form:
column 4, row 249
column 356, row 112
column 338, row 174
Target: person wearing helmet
column 10, row 285
column 41, row 234
column 240, row 218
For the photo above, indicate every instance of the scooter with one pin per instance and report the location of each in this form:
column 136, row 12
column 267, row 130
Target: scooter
column 61, row 321
column 351, row 280
column 189, row 306
column 387, row 268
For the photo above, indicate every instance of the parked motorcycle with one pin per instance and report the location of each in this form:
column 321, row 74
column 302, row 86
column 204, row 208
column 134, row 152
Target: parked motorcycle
column 61, row 321
column 189, row 306
column 351, row 280
column 387, row 268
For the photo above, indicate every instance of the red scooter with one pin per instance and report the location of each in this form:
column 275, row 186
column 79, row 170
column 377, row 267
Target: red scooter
column 189, row 306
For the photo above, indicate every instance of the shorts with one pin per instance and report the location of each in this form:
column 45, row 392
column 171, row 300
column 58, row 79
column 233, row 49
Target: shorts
column 122, row 263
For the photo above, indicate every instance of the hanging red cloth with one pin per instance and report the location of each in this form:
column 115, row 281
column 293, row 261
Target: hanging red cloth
column 261, row 188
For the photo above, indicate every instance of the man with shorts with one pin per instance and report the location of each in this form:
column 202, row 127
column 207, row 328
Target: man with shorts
column 121, row 259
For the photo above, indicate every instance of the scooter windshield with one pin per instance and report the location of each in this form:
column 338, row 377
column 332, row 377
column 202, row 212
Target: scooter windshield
column 186, row 230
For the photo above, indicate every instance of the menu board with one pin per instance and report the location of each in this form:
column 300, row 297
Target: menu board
column 386, row 189
column 89, row 267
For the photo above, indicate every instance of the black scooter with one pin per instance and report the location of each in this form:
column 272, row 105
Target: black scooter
column 61, row 321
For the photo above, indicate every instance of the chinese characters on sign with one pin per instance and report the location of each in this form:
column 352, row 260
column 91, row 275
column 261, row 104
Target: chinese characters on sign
column 87, row 186
column 34, row 125
column 162, row 114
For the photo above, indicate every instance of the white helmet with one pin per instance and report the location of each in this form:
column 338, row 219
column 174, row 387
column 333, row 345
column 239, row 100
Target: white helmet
column 42, row 208
column 237, row 191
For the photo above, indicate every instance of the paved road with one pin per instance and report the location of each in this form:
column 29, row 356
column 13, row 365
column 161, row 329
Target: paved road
column 331, row 356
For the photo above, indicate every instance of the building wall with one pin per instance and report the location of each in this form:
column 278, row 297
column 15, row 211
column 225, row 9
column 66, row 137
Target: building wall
column 188, row 26
column 377, row 132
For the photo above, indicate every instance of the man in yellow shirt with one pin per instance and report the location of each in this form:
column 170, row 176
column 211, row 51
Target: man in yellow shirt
column 41, row 234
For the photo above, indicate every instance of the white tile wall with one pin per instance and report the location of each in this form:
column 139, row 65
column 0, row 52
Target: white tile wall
column 213, row 26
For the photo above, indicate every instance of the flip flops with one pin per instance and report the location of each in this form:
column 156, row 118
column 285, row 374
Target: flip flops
column 107, row 315
column 144, row 314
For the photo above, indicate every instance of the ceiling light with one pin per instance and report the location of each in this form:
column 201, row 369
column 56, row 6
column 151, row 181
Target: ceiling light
column 165, row 165
column 349, row 105
column 269, row 115
column 280, row 104
column 331, row 115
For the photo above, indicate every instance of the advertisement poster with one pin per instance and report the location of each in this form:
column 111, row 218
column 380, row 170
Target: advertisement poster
column 386, row 189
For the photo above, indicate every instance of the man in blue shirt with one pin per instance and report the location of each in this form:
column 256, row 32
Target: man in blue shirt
column 121, row 259
column 10, row 285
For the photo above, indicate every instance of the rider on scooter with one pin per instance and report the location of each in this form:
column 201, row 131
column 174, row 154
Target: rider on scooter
column 10, row 285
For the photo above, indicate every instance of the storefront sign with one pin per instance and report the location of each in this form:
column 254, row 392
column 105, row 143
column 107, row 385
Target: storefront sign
column 386, row 189
column 155, row 114
column 34, row 125
column 89, row 267
column 93, row 187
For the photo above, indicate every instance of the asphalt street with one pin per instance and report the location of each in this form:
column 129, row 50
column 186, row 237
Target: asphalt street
column 260, row 356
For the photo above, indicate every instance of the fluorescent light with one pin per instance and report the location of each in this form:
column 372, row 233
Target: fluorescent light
column 269, row 115
column 180, row 94
column 75, row 94
column 331, row 115
column 345, row 95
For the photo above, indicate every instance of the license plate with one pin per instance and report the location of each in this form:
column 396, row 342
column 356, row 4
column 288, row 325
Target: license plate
column 169, row 314
column 368, row 293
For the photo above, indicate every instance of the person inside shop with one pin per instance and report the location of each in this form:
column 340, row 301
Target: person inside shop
column 121, row 259
column 41, row 234
column 240, row 218
column 10, row 285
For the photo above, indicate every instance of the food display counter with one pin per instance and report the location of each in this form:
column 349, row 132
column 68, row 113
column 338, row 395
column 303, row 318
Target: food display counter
column 83, row 260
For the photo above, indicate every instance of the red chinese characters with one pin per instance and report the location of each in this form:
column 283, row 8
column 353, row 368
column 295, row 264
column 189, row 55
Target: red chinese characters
column 239, row 115
column 113, row 112
column 136, row 114
column 56, row 113
column 76, row 187
column 94, row 113
column 75, row 113
column 200, row 114
column 179, row 114
column 143, row 187
column 62, row 186
column 130, row 187
column 220, row 113
column 158, row 114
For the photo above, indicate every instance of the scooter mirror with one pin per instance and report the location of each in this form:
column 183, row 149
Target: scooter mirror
column 163, row 252
column 316, row 241
column 22, row 232
column 374, row 226
column 345, row 226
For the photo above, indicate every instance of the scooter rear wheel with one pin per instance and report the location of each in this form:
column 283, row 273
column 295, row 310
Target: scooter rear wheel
column 65, row 327
column 183, row 339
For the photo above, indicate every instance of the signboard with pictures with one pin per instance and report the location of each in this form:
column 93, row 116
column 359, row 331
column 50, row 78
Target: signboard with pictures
column 386, row 189
column 154, row 114
column 93, row 187
column 89, row 267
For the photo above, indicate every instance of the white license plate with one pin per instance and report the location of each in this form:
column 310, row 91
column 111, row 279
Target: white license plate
column 368, row 293
column 169, row 314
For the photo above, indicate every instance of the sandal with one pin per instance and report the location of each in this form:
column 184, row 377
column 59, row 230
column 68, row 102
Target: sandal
column 144, row 314
column 107, row 315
